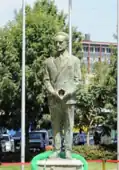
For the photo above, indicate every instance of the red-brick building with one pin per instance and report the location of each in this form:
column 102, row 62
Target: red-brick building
column 95, row 51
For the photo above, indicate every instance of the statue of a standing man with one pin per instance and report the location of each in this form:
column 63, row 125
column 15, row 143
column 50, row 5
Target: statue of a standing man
column 61, row 77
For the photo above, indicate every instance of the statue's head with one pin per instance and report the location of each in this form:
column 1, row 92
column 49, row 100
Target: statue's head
column 61, row 39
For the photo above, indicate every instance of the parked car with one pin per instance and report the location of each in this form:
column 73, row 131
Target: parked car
column 17, row 141
column 7, row 143
column 76, row 139
column 50, row 137
column 38, row 140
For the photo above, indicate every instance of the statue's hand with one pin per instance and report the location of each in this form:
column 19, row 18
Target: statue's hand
column 61, row 94
column 55, row 93
column 67, row 95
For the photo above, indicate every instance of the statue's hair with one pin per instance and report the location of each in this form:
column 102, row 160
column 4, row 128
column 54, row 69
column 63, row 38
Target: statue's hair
column 62, row 34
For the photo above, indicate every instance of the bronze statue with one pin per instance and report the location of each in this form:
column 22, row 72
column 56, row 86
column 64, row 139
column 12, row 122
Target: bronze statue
column 61, row 77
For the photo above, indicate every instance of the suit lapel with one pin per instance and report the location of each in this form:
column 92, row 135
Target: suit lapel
column 63, row 64
column 53, row 67
column 53, row 63
column 57, row 62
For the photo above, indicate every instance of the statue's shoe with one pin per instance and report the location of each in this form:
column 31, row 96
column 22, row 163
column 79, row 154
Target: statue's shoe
column 68, row 154
column 55, row 154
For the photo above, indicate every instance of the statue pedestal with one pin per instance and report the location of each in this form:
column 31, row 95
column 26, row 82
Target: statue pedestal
column 59, row 164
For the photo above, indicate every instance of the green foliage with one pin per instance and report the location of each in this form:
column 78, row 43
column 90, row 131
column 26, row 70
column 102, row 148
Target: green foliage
column 97, row 100
column 89, row 106
column 43, row 20
column 83, row 71
column 100, row 71
column 109, row 90
column 95, row 152
column 44, row 122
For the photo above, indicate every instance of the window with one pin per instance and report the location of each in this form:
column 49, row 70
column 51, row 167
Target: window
column 91, row 49
column 6, row 138
column 85, row 49
column 36, row 135
column 108, row 50
column 103, row 50
column 97, row 49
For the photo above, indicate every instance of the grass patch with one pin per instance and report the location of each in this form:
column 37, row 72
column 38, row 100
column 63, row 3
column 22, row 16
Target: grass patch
column 98, row 166
column 14, row 168
column 92, row 166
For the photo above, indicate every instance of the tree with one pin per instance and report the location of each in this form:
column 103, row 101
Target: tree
column 43, row 20
column 110, row 86
column 107, row 78
column 89, row 109
column 97, row 99
column 9, row 81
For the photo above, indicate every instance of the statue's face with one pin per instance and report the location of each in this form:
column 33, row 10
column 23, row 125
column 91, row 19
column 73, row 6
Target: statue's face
column 61, row 43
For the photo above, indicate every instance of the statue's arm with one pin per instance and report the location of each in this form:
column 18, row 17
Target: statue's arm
column 77, row 75
column 76, row 78
column 47, row 81
column 77, row 72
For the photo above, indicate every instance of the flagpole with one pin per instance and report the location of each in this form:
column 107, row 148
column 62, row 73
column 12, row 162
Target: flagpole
column 117, row 83
column 70, row 27
column 23, row 100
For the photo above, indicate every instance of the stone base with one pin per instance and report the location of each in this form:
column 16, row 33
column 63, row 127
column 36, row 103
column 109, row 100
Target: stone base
column 59, row 164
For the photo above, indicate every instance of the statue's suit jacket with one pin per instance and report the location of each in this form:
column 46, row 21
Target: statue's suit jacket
column 63, row 74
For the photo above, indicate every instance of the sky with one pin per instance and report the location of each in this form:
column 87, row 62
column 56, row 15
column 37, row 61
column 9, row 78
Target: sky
column 96, row 17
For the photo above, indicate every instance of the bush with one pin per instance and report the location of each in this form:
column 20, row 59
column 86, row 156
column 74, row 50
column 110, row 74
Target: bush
column 111, row 147
column 94, row 152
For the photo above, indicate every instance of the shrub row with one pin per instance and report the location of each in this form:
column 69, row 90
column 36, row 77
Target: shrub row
column 95, row 152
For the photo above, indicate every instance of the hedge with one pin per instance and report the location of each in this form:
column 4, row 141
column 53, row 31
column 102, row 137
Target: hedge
column 95, row 152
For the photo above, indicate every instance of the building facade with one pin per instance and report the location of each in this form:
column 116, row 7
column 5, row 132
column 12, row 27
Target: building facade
column 94, row 51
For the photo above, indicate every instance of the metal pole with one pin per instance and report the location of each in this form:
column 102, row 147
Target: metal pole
column 23, row 89
column 117, row 83
column 70, row 27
